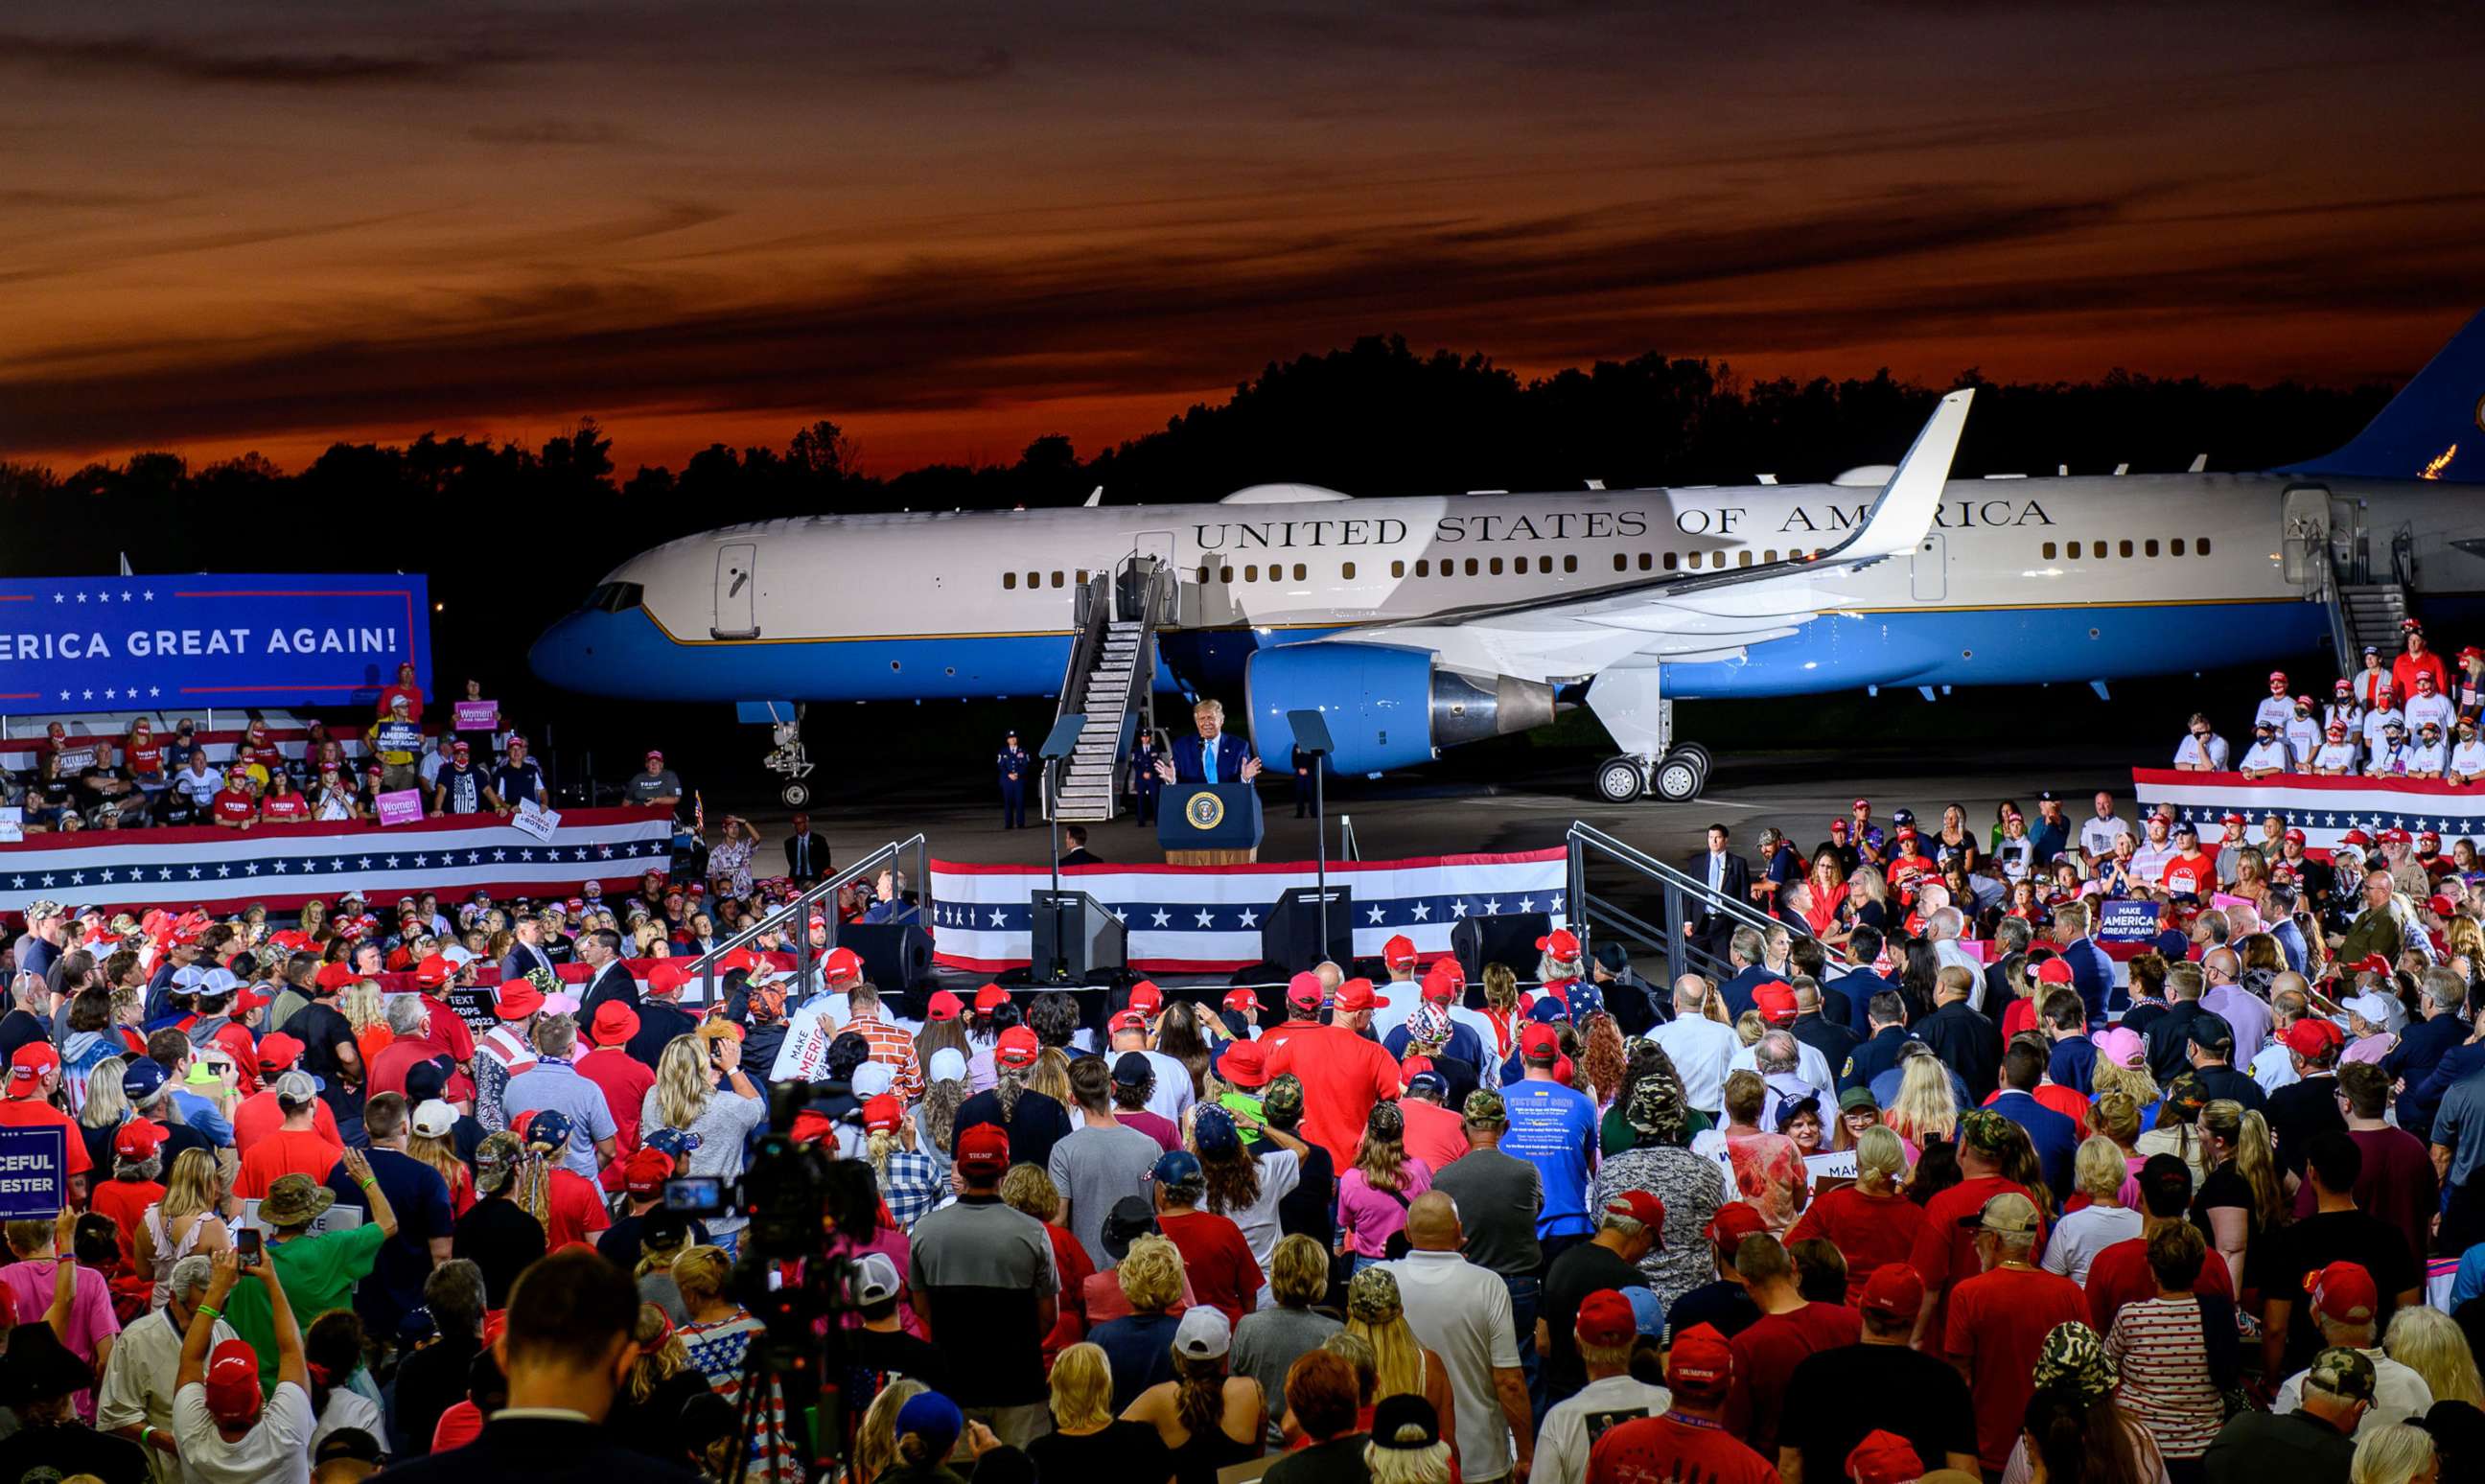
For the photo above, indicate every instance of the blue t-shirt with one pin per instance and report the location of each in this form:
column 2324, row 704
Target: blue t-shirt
column 1554, row 1128
column 557, row 1085
column 1138, row 1348
column 420, row 1200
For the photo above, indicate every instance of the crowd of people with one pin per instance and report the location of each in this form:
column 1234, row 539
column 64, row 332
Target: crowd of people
column 2404, row 716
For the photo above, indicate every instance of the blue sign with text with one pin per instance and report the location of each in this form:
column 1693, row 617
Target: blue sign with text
column 169, row 643
column 2126, row 921
column 34, row 1172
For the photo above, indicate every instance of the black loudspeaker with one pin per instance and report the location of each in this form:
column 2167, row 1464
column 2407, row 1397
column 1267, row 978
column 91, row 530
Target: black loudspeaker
column 1508, row 939
column 896, row 956
column 1075, row 929
column 1291, row 934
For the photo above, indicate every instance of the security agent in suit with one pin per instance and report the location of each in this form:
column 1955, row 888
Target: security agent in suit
column 807, row 855
column 1214, row 756
column 1146, row 786
column 1730, row 877
column 1015, row 767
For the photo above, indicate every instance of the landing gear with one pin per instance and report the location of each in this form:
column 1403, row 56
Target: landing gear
column 1633, row 708
column 1620, row 780
column 789, row 758
column 1679, row 776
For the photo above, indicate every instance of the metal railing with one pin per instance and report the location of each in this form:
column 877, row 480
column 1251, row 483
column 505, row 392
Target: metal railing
column 1683, row 898
column 2342, row 634
column 799, row 910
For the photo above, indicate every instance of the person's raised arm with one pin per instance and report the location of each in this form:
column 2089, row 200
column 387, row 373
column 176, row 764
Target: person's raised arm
column 289, row 1365
column 221, row 1271
column 358, row 1165
column 64, row 1270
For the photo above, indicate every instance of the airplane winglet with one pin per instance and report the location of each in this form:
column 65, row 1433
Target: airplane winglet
column 1904, row 510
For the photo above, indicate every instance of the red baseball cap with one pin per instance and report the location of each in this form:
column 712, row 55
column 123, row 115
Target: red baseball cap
column 233, row 1382
column 1146, row 997
column 1735, row 1221
column 983, row 1149
column 2054, row 970
column 1700, row 1362
column 1358, row 995
column 1399, row 952
column 27, row 1066
column 667, row 976
column 1884, row 1457
column 943, row 1006
column 614, row 1023
column 277, row 1052
column 1244, row 1000
column 1895, row 1289
column 2312, row 1037
column 1304, row 991
column 1606, row 1320
column 883, row 1114
column 2293, row 837
column 1642, row 1207
column 1016, row 1048
column 138, row 1140
column 1776, row 1003
column 1540, row 1040
column 335, row 976
column 2278, row 678
column 1128, row 1020
column 1244, row 1065
column 842, row 966
column 990, row 997
column 647, row 1170
column 1560, row 943
column 518, row 1001
column 2231, row 818
column 2344, row 1291
column 433, row 972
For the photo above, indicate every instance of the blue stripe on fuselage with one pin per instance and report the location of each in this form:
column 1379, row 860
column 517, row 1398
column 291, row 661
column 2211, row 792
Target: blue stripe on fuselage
column 626, row 654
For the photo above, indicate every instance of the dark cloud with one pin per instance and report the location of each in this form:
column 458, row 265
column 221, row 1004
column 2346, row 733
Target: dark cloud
column 167, row 59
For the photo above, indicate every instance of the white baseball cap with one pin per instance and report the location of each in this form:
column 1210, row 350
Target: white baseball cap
column 872, row 1078
column 2374, row 1006
column 948, row 1064
column 875, row 1278
column 1204, row 1333
column 435, row 1119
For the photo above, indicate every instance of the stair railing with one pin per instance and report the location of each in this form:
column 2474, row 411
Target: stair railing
column 1091, row 613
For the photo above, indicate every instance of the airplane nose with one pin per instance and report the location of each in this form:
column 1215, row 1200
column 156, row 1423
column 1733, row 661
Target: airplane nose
column 562, row 654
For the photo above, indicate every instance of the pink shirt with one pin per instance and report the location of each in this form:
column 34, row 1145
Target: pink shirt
column 91, row 1316
column 1369, row 1216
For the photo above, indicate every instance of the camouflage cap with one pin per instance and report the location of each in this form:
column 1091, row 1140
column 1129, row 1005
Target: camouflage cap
column 2343, row 1371
column 1483, row 1106
column 1984, row 1131
column 1282, row 1100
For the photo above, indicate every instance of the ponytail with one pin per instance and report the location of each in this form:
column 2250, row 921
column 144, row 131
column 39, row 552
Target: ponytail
column 2256, row 1163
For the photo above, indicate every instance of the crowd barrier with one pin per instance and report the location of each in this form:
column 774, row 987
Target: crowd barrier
column 283, row 866
column 1208, row 919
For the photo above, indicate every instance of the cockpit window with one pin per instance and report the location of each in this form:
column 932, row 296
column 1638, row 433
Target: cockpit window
column 616, row 596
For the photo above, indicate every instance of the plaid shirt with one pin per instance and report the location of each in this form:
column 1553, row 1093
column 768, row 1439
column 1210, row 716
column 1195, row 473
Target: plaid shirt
column 895, row 1049
column 911, row 1185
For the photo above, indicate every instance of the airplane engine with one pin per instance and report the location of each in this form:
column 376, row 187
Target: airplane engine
column 1387, row 706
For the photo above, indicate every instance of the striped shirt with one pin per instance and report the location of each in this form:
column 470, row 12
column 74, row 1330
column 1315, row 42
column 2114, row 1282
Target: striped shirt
column 2163, row 1357
column 717, row 1351
column 892, row 1048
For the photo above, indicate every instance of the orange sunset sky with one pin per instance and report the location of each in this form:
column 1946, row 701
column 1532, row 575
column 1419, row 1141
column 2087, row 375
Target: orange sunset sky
column 954, row 227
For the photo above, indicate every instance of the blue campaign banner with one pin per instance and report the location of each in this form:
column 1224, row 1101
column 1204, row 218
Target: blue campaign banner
column 2126, row 921
column 34, row 1172
column 122, row 643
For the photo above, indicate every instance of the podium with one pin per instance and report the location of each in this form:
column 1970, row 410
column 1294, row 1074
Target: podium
column 1209, row 824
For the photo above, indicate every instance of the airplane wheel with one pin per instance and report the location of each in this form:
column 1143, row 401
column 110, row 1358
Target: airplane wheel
column 1677, row 779
column 1708, row 765
column 1619, row 781
column 795, row 795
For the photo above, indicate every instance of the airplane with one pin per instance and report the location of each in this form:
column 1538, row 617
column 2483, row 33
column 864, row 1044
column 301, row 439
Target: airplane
column 1417, row 623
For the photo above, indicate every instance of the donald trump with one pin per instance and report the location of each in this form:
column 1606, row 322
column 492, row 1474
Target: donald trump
column 1212, row 756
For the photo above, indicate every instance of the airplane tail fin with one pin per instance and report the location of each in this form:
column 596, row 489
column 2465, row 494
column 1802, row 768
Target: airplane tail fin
column 2432, row 429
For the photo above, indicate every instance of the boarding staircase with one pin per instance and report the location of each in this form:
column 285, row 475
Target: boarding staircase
column 1110, row 680
column 2369, row 606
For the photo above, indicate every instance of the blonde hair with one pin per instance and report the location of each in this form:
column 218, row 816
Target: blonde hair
column 1082, row 1384
column 1500, row 987
column 360, row 1004
column 875, row 1445
column 1150, row 1275
column 2099, row 1170
column 1397, row 1359
column 106, row 1105
column 1051, row 1076
column 1880, row 1160
column 2392, row 1454
column 192, row 1186
column 1298, row 1272
column 682, row 1088
column 1926, row 1106
column 659, row 1360
column 2430, row 1343
column 1749, row 1028
column 2247, row 1132
column 441, row 1154
column 2115, row 1116
column 1026, row 1188
column 702, row 1272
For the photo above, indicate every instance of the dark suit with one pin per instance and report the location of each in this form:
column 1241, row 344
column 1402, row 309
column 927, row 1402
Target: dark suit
column 1871, row 1057
column 2092, row 976
column 1829, row 1038
column 2170, row 1039
column 1232, row 751
column 807, row 857
column 2057, row 1137
column 2420, row 1050
column 1968, row 1044
column 542, row 1451
column 1858, row 987
column 1712, row 931
column 614, row 983
column 1739, row 992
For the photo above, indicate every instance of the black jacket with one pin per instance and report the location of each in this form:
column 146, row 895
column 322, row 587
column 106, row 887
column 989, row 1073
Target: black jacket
column 1967, row 1043
column 541, row 1450
column 819, row 864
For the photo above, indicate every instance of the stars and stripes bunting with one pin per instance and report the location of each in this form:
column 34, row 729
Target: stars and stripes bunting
column 1208, row 919
column 2324, row 809
column 284, row 866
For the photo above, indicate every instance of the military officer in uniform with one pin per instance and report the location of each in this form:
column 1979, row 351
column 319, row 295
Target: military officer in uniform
column 1013, row 767
column 1146, row 784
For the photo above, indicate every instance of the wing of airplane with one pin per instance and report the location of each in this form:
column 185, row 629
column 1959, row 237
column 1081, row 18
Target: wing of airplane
column 1691, row 616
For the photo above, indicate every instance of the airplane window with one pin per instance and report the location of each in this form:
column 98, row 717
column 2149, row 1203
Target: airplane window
column 1672, row 562
column 1225, row 574
column 1397, row 568
column 1250, row 574
column 2150, row 547
column 1009, row 579
column 1082, row 577
column 2074, row 550
column 1035, row 578
column 1695, row 560
column 1767, row 556
column 1622, row 562
column 616, row 596
column 1570, row 563
column 1346, row 571
column 1471, row 566
column 2200, row 547
column 1299, row 573
column 2126, row 548
column 1423, row 567
column 1495, row 565
column 1203, row 572
column 2049, row 551
column 1746, row 559
column 2177, row 546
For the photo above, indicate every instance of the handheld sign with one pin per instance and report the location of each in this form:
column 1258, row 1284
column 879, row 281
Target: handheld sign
column 2121, row 920
column 398, row 737
column 474, row 1006
column 535, row 819
column 478, row 716
column 34, row 1172
column 402, row 807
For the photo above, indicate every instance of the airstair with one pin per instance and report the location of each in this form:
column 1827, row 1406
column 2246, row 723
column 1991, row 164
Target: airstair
column 2368, row 601
column 1110, row 680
